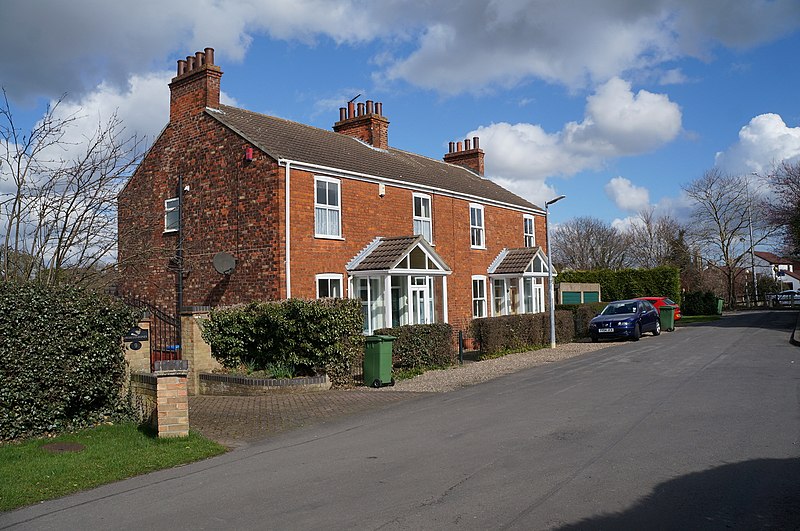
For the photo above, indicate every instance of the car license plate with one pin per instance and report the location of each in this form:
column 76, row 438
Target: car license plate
column 604, row 330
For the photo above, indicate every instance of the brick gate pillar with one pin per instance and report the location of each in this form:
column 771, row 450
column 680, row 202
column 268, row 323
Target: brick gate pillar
column 172, row 398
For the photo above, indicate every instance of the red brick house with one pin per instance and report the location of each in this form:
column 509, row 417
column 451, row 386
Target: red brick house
column 310, row 213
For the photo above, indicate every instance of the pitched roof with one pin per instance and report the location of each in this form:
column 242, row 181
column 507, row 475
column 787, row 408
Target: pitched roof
column 284, row 139
column 770, row 257
column 516, row 261
column 383, row 254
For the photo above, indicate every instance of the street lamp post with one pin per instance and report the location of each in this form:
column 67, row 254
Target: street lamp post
column 752, row 253
column 550, row 269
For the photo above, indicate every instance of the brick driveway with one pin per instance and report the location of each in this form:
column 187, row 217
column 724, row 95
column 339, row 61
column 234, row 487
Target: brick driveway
column 238, row 420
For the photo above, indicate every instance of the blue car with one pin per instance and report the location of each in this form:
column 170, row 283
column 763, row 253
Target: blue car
column 625, row 319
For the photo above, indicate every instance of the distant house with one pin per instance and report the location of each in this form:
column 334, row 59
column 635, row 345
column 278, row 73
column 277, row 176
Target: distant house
column 288, row 210
column 784, row 270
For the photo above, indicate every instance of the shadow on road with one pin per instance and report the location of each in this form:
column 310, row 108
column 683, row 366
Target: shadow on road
column 772, row 319
column 758, row 494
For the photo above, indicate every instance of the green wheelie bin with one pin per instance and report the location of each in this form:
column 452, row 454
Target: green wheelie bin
column 378, row 361
column 667, row 314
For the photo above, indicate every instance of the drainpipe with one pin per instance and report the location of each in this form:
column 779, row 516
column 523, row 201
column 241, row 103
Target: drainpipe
column 288, row 175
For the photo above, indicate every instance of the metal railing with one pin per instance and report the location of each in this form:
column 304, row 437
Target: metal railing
column 165, row 331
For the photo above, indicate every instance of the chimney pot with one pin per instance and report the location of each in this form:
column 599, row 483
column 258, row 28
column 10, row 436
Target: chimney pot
column 379, row 109
column 181, row 67
column 351, row 109
column 475, row 141
column 361, row 109
column 369, row 107
column 466, row 144
column 189, row 63
column 342, row 113
column 459, row 146
column 451, row 147
column 198, row 59
column 209, row 56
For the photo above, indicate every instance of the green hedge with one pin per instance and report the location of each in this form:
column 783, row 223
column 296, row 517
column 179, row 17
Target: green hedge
column 699, row 303
column 62, row 364
column 518, row 333
column 630, row 283
column 427, row 346
column 582, row 314
column 295, row 336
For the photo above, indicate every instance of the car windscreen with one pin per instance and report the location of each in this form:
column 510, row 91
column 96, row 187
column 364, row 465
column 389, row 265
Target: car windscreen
column 618, row 309
column 670, row 302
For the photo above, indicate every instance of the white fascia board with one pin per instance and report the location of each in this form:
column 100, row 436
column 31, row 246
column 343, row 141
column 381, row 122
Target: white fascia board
column 403, row 184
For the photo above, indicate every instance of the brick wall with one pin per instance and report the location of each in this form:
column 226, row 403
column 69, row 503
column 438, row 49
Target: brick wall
column 366, row 215
column 230, row 206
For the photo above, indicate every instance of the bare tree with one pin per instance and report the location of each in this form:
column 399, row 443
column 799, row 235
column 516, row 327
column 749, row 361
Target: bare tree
column 58, row 202
column 721, row 219
column 784, row 210
column 653, row 239
column 586, row 243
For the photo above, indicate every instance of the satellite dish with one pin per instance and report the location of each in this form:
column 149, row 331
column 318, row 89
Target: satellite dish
column 224, row 263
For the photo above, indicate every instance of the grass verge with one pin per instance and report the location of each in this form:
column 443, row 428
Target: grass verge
column 29, row 473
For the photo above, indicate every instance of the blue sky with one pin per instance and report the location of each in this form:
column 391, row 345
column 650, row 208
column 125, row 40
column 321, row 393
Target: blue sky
column 613, row 103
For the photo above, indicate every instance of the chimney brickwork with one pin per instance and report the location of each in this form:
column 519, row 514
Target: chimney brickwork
column 365, row 122
column 467, row 154
column 196, row 86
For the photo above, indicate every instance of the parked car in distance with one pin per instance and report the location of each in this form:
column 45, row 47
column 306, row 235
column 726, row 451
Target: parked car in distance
column 625, row 319
column 787, row 297
column 658, row 302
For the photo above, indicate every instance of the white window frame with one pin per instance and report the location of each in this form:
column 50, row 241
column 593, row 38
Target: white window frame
column 528, row 237
column 171, row 207
column 328, row 208
column 477, row 229
column 329, row 277
column 479, row 300
column 421, row 219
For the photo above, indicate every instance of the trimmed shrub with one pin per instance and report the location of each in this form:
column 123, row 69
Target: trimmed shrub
column 699, row 303
column 424, row 346
column 582, row 314
column 62, row 363
column 298, row 336
column 518, row 333
column 631, row 283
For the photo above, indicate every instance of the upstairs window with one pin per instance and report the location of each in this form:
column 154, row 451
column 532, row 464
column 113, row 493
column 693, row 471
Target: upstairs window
column 422, row 217
column 527, row 230
column 327, row 208
column 476, row 231
column 171, row 215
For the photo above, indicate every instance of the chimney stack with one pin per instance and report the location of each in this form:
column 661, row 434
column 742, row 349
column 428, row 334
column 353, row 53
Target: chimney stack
column 365, row 122
column 467, row 154
column 195, row 87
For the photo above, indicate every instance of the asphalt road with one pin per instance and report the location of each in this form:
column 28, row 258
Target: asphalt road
column 696, row 429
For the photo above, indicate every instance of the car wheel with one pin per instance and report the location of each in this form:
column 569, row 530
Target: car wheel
column 637, row 332
column 657, row 330
column 595, row 339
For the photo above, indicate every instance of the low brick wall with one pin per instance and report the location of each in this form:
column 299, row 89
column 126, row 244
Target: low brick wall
column 144, row 386
column 225, row 384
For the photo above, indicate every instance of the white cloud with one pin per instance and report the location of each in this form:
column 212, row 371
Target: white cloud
column 764, row 142
column 616, row 123
column 626, row 195
column 449, row 47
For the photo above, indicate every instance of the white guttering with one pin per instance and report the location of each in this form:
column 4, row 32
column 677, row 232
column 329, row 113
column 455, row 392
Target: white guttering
column 288, row 175
column 405, row 184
